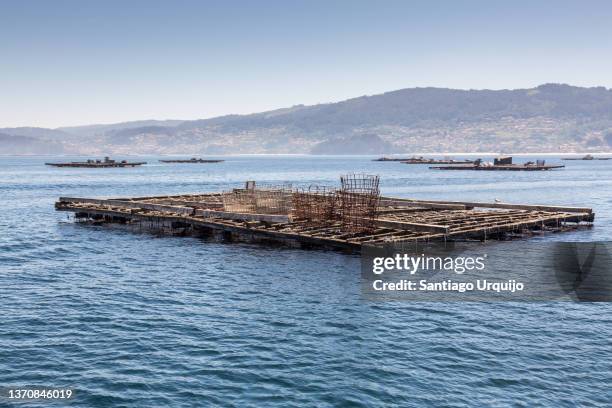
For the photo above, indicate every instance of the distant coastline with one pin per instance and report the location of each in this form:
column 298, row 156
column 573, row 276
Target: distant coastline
column 548, row 119
column 425, row 154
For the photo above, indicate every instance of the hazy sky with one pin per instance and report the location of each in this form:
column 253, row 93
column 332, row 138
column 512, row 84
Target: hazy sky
column 83, row 62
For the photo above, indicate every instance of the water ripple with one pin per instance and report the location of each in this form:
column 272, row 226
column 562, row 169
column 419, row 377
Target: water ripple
column 135, row 320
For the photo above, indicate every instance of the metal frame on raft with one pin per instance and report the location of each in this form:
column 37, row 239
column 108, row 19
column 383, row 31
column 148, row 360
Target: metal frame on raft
column 261, row 200
column 321, row 216
column 316, row 204
column 359, row 196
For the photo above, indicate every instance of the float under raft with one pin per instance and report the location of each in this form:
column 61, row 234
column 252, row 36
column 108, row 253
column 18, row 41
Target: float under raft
column 398, row 220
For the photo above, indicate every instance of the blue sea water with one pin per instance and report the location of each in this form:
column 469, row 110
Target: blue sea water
column 132, row 319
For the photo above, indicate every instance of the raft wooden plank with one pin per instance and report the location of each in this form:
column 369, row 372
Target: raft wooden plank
column 178, row 196
column 411, row 226
column 513, row 225
column 392, row 202
column 502, row 205
column 242, row 216
column 404, row 238
column 195, row 204
column 131, row 205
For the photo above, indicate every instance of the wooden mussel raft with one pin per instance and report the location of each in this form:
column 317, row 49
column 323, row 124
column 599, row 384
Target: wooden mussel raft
column 587, row 157
column 422, row 160
column 391, row 159
column 327, row 217
column 502, row 164
column 192, row 160
column 106, row 163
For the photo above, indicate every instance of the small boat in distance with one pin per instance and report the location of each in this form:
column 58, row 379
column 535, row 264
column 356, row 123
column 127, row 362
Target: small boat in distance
column 106, row 163
column 192, row 160
column 587, row 157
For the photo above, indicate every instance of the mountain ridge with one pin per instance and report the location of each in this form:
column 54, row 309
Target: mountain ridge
column 550, row 117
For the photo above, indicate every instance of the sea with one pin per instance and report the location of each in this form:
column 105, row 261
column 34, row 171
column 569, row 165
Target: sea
column 136, row 319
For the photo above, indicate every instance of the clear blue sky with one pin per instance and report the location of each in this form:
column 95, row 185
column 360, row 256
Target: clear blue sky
column 82, row 62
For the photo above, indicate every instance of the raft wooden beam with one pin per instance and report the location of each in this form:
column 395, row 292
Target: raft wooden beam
column 499, row 205
column 412, row 226
column 242, row 216
column 393, row 202
column 133, row 205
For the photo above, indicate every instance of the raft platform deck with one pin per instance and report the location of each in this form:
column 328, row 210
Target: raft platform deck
column 399, row 220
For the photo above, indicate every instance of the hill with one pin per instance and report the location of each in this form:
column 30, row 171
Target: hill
column 10, row 144
column 550, row 117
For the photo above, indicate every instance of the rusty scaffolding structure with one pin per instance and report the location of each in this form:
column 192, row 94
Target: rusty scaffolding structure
column 353, row 207
column 316, row 204
column 264, row 199
column 359, row 195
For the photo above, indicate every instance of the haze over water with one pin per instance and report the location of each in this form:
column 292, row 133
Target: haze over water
column 140, row 320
